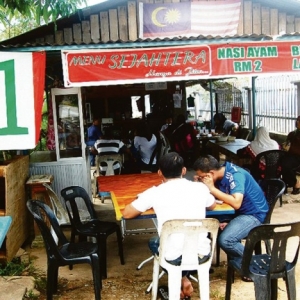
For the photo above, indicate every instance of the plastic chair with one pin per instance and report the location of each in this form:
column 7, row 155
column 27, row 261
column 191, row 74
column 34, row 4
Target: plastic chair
column 59, row 211
column 265, row 269
column 93, row 227
column 64, row 253
column 110, row 160
column 190, row 259
column 272, row 160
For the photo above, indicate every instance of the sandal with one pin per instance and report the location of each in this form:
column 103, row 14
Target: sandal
column 295, row 191
column 163, row 292
column 247, row 279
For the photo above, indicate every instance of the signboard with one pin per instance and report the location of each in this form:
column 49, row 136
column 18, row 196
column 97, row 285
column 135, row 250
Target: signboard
column 127, row 66
column 22, row 77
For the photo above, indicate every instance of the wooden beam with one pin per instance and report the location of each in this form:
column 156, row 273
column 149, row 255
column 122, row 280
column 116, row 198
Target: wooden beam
column 282, row 22
column 274, row 21
column 104, row 27
column 248, row 17
column 265, row 17
column 68, row 35
column 113, row 25
column 95, row 29
column 77, row 33
column 86, row 32
column 132, row 21
column 257, row 18
column 123, row 24
column 297, row 24
column 240, row 30
column 290, row 24
column 59, row 37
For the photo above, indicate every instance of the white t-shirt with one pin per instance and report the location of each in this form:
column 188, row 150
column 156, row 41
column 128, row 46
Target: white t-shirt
column 145, row 147
column 177, row 199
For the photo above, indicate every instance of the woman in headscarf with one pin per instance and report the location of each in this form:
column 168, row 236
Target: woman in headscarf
column 261, row 143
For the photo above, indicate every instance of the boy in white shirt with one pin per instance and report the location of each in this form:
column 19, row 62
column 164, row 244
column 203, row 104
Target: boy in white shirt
column 175, row 198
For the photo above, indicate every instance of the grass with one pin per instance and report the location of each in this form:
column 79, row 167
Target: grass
column 15, row 268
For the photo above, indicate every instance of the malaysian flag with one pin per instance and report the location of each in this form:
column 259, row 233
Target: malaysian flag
column 216, row 18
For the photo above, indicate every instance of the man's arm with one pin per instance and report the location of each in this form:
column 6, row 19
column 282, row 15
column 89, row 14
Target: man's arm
column 130, row 212
column 212, row 206
column 234, row 200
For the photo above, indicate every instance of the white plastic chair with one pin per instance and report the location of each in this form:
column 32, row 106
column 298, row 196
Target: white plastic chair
column 110, row 160
column 191, row 230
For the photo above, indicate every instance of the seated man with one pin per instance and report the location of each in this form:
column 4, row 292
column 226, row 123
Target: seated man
column 109, row 145
column 236, row 187
column 175, row 198
column 291, row 161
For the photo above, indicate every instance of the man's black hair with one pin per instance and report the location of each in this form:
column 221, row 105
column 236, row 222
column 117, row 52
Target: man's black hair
column 171, row 165
column 206, row 163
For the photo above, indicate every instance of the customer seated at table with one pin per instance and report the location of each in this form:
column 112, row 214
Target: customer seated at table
column 236, row 187
column 175, row 198
column 262, row 142
column 144, row 146
column 291, row 161
column 168, row 124
column 108, row 144
column 224, row 126
column 183, row 140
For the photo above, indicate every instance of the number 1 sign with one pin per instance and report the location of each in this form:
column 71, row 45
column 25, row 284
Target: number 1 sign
column 22, row 78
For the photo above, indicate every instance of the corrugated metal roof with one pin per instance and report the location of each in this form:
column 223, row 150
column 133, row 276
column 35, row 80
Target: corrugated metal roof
column 140, row 43
column 22, row 42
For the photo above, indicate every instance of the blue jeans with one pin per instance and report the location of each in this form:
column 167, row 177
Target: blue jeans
column 153, row 245
column 236, row 230
column 92, row 156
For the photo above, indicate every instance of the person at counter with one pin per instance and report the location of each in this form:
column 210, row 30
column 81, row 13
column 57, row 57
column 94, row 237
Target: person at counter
column 236, row 187
column 291, row 161
column 222, row 125
column 167, row 202
column 94, row 134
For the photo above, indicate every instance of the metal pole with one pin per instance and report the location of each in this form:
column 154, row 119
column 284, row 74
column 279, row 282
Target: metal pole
column 253, row 105
column 211, row 104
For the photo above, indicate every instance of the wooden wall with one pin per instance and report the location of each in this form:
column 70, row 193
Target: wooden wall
column 121, row 23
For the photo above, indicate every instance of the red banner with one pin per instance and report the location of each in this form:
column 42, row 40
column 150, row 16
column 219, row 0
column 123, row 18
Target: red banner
column 109, row 67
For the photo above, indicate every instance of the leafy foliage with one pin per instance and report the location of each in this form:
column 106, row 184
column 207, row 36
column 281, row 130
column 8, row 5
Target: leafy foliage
column 41, row 10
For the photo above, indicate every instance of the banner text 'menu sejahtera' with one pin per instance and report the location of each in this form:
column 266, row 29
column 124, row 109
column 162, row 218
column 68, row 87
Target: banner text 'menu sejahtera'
column 133, row 60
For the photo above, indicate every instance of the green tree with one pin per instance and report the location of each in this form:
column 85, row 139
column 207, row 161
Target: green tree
column 42, row 11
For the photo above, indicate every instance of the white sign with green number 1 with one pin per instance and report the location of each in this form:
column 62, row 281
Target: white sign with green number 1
column 18, row 101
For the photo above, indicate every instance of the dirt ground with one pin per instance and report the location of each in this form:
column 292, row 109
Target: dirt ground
column 124, row 282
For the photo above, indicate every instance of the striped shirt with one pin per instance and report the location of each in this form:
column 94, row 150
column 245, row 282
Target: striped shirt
column 105, row 147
